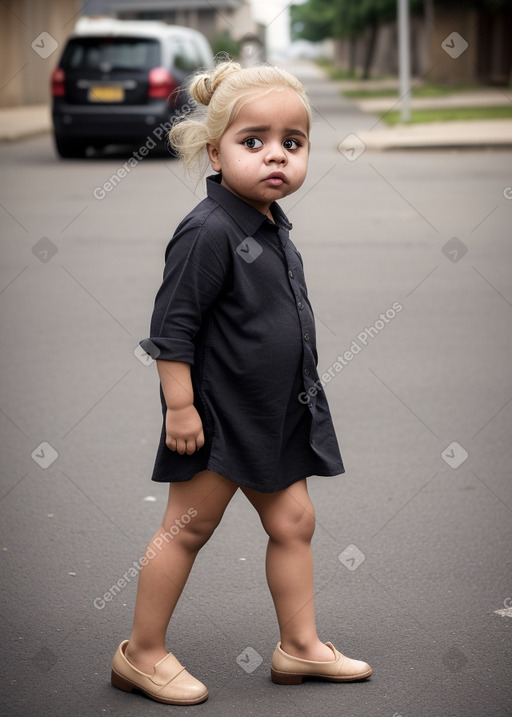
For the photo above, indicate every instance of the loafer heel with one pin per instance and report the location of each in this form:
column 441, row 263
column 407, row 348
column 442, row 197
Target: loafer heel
column 121, row 682
column 289, row 670
column 281, row 678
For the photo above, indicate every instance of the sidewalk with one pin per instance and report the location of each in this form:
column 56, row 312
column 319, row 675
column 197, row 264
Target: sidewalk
column 20, row 122
column 475, row 98
column 467, row 134
column 463, row 134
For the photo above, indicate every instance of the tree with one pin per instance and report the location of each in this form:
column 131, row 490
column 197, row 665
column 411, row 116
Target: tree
column 316, row 20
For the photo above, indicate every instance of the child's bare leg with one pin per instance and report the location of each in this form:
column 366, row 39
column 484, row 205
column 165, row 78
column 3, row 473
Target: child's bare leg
column 289, row 519
column 163, row 578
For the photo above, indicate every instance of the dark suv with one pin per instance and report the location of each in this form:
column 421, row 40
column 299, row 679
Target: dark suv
column 118, row 82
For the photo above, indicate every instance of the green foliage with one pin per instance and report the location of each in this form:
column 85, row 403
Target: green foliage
column 316, row 20
column 225, row 44
column 450, row 114
column 424, row 91
column 313, row 20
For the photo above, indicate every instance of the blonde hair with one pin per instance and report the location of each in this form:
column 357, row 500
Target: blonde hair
column 218, row 97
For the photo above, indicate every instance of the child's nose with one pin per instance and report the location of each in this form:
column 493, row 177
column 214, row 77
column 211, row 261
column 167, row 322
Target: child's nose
column 276, row 153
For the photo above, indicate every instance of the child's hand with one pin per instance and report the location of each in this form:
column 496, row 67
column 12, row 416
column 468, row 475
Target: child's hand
column 184, row 430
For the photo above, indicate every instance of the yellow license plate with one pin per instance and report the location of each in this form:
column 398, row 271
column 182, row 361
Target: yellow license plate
column 102, row 93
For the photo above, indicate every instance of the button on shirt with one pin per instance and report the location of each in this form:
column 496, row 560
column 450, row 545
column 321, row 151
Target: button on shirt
column 233, row 304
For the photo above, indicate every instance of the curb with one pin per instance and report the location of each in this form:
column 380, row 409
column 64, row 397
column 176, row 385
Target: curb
column 480, row 135
column 449, row 145
column 439, row 147
column 17, row 136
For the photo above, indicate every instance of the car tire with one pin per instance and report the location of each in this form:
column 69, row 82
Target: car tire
column 70, row 148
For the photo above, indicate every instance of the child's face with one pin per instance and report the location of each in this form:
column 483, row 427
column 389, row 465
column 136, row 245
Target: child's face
column 263, row 155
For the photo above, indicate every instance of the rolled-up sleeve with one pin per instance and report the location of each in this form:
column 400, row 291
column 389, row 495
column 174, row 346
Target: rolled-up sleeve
column 195, row 274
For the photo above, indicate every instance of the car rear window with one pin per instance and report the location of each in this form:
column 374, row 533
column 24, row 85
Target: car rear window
column 186, row 57
column 110, row 54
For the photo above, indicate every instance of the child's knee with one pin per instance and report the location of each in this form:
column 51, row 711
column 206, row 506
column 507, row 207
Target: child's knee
column 298, row 525
column 190, row 534
column 197, row 533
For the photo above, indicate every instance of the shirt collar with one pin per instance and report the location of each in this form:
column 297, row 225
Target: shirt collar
column 247, row 217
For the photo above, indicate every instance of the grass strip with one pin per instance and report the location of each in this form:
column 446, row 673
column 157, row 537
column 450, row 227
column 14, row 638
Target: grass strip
column 450, row 114
column 425, row 91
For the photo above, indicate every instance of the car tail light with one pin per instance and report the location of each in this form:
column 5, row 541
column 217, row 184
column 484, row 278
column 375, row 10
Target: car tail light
column 58, row 86
column 161, row 83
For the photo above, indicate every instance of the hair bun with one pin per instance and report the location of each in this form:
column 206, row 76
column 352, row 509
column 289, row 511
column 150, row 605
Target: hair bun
column 204, row 84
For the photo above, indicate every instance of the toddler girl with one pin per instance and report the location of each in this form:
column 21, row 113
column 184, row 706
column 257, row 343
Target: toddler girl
column 233, row 336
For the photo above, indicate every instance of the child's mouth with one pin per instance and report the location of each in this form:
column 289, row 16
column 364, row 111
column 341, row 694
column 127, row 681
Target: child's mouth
column 276, row 179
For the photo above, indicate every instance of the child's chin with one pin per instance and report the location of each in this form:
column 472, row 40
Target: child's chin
column 280, row 191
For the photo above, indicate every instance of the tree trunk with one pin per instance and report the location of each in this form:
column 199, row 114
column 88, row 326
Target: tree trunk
column 352, row 55
column 429, row 18
column 370, row 50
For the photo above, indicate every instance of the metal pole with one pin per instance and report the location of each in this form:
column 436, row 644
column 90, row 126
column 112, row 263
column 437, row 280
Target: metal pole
column 404, row 60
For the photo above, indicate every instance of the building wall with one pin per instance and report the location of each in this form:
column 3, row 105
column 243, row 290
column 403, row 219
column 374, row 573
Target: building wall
column 237, row 21
column 385, row 58
column 24, row 71
column 487, row 58
column 242, row 23
column 446, row 69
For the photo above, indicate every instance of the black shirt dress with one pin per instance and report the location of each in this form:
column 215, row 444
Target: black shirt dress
column 233, row 304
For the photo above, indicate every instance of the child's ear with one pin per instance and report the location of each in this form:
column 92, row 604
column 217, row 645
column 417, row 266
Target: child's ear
column 214, row 156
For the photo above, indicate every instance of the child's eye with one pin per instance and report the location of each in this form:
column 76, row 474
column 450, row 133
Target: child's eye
column 253, row 143
column 291, row 144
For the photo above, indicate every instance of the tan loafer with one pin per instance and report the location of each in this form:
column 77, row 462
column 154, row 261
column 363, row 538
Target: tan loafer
column 289, row 670
column 170, row 682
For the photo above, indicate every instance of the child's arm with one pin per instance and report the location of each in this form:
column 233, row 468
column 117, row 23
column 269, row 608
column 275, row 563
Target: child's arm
column 183, row 425
column 196, row 270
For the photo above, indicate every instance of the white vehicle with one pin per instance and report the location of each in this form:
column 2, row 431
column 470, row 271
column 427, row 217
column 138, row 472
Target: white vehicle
column 118, row 81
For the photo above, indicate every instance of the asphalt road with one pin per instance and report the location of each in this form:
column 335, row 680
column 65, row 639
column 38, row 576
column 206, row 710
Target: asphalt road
column 412, row 545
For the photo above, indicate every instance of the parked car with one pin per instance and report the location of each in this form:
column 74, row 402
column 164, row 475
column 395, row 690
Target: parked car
column 120, row 82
